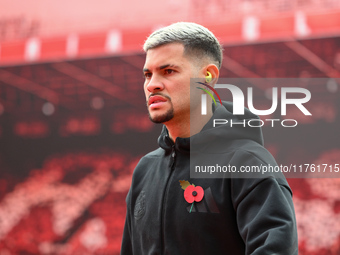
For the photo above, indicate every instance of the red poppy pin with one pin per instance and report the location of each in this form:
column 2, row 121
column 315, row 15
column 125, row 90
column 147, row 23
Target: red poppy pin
column 192, row 193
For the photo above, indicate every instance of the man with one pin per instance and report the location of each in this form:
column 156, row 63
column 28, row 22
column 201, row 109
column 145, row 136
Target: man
column 167, row 211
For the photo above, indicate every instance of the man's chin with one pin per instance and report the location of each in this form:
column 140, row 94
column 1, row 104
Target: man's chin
column 161, row 118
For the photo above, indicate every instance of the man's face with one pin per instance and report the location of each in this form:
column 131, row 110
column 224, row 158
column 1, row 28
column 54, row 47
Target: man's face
column 167, row 83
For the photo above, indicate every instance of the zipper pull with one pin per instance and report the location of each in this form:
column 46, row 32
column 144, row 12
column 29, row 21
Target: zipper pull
column 173, row 153
column 173, row 156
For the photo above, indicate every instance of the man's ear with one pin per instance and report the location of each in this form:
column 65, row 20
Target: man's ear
column 211, row 70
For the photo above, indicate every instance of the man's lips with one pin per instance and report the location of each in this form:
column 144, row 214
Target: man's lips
column 156, row 101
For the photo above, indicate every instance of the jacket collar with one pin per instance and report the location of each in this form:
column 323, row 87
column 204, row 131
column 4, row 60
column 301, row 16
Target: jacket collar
column 181, row 144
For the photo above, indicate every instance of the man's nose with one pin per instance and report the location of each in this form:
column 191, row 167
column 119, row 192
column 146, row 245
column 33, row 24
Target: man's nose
column 155, row 84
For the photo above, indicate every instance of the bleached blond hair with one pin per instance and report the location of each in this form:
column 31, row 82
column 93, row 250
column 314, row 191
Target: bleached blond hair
column 198, row 41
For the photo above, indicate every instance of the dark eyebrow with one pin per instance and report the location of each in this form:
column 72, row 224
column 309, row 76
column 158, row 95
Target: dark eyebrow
column 160, row 68
column 163, row 67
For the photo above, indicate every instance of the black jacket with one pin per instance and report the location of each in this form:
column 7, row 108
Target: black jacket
column 236, row 215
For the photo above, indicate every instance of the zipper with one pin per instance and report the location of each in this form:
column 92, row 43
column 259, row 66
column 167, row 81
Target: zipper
column 173, row 157
column 166, row 191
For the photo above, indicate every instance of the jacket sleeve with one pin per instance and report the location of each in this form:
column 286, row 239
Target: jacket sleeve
column 265, row 215
column 126, row 248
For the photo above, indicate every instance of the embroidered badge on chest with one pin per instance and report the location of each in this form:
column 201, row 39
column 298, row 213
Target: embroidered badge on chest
column 140, row 206
column 196, row 194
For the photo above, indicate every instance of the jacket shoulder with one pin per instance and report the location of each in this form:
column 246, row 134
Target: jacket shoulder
column 154, row 154
column 252, row 148
column 147, row 162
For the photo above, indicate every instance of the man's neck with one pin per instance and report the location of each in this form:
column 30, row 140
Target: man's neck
column 188, row 127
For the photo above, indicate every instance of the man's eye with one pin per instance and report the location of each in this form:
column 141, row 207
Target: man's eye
column 147, row 75
column 169, row 71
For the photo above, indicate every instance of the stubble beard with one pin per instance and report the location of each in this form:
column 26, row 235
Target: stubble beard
column 164, row 117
